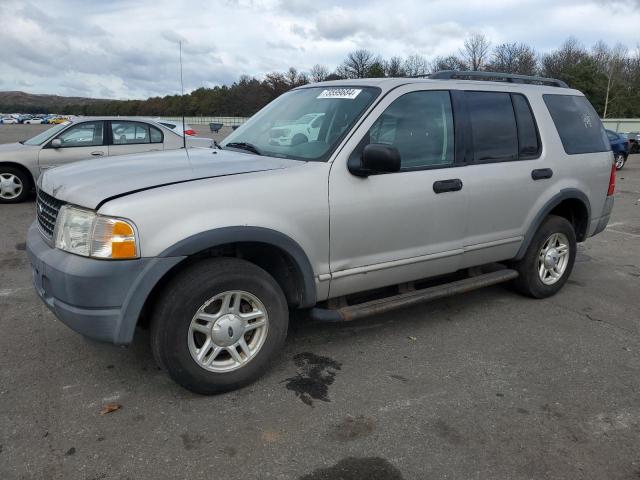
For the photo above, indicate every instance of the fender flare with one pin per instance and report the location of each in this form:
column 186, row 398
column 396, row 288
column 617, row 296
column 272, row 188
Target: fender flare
column 227, row 235
column 564, row 194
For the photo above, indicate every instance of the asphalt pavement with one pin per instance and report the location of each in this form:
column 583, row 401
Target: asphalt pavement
column 486, row 385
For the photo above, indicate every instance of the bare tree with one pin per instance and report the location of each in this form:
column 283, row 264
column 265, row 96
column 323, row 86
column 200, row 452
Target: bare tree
column 394, row 68
column 611, row 63
column 294, row 78
column 357, row 64
column 513, row 58
column 570, row 54
column 319, row 73
column 452, row 62
column 415, row 65
column 475, row 51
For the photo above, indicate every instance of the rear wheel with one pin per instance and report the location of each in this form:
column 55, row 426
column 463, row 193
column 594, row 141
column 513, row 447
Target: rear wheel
column 549, row 259
column 218, row 324
column 15, row 185
column 620, row 160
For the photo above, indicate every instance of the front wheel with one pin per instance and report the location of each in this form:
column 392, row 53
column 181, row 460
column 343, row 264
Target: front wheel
column 620, row 160
column 548, row 262
column 15, row 185
column 218, row 324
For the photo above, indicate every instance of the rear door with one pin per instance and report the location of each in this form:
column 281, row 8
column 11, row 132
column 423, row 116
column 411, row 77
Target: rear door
column 80, row 141
column 509, row 172
column 128, row 136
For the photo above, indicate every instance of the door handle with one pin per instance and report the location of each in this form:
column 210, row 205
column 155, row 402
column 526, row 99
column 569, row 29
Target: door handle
column 451, row 185
column 541, row 173
column 97, row 154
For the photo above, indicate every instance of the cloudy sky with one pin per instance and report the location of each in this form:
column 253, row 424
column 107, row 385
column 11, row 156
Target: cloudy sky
column 125, row 49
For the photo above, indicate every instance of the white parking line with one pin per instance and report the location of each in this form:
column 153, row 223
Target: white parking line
column 635, row 235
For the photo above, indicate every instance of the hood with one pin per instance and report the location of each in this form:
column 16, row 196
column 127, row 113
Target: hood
column 91, row 182
column 16, row 147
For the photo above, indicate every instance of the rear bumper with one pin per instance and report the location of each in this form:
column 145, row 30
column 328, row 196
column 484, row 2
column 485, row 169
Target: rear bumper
column 101, row 299
column 598, row 224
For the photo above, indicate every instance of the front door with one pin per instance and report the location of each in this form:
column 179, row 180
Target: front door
column 80, row 141
column 398, row 227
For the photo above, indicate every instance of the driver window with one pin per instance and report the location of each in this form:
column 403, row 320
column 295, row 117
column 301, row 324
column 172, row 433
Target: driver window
column 87, row 134
column 420, row 126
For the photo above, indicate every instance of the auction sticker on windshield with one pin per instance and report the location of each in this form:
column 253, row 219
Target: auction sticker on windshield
column 349, row 93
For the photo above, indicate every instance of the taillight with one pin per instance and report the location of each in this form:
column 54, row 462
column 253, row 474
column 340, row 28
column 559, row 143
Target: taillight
column 190, row 132
column 612, row 181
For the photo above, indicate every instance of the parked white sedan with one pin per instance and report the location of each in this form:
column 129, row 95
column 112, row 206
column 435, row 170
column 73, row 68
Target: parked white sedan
column 32, row 121
column 8, row 120
column 22, row 163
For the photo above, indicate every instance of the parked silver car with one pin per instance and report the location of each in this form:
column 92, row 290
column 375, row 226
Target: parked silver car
column 407, row 180
column 21, row 163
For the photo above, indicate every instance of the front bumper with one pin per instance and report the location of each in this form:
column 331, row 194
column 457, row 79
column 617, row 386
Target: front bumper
column 101, row 299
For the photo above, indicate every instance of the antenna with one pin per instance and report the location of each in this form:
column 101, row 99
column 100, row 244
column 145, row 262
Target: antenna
column 184, row 135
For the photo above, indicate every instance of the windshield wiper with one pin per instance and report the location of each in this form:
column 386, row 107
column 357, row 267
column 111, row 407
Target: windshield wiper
column 244, row 146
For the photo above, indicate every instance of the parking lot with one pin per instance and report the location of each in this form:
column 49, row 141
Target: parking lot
column 480, row 386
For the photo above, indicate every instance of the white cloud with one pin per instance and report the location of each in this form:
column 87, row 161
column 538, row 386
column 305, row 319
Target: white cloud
column 124, row 49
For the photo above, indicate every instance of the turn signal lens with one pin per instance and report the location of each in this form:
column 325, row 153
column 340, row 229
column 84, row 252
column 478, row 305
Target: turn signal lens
column 113, row 238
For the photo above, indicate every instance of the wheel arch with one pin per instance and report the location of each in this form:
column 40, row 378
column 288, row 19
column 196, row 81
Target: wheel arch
column 569, row 203
column 22, row 168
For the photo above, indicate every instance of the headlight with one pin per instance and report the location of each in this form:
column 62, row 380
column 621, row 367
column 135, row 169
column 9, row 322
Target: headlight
column 85, row 233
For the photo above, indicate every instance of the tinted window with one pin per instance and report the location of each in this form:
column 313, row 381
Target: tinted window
column 127, row 133
column 420, row 126
column 87, row 134
column 493, row 126
column 577, row 123
column 528, row 143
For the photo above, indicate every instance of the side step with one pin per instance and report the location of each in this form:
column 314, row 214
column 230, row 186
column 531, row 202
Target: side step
column 374, row 307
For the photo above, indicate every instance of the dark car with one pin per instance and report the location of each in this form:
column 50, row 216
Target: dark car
column 634, row 142
column 620, row 147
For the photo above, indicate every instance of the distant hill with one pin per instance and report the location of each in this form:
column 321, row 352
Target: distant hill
column 23, row 102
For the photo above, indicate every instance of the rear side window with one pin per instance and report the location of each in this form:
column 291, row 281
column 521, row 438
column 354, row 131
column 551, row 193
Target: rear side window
column 577, row 123
column 131, row 133
column 528, row 141
column 156, row 135
column 493, row 126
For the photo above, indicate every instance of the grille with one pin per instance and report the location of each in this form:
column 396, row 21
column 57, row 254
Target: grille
column 47, row 209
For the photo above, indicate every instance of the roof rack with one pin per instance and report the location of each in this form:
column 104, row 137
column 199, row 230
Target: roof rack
column 496, row 76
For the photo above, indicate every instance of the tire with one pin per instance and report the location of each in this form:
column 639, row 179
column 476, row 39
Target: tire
column 15, row 185
column 530, row 281
column 620, row 160
column 177, row 340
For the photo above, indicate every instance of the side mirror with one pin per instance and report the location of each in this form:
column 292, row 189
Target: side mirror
column 375, row 158
column 56, row 143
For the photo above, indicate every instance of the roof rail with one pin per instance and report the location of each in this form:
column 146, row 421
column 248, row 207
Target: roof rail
column 497, row 76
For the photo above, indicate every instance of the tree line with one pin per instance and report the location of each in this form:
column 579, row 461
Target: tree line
column 608, row 76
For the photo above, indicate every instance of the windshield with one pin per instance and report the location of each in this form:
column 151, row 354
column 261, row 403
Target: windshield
column 277, row 130
column 46, row 135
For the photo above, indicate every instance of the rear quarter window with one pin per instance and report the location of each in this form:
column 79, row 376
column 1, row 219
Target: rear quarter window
column 577, row 123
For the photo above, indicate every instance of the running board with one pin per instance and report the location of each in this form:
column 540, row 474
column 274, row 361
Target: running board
column 374, row 307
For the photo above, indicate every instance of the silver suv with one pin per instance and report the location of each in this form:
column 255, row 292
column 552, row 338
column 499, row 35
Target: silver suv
column 409, row 190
